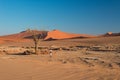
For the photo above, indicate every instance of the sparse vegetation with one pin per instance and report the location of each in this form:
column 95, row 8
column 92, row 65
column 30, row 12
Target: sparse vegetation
column 36, row 38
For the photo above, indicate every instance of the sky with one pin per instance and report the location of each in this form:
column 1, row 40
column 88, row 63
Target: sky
column 74, row 16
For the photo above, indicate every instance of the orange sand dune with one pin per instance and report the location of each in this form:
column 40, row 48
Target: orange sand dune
column 56, row 34
column 23, row 34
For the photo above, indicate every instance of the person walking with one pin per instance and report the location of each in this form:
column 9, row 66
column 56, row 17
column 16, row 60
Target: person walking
column 50, row 53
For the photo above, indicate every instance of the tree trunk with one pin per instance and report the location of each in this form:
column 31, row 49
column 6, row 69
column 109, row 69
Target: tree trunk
column 36, row 48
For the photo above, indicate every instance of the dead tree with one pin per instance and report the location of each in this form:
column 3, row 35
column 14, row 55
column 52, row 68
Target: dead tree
column 36, row 38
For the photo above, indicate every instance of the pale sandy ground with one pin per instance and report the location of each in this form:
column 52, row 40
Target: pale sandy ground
column 64, row 65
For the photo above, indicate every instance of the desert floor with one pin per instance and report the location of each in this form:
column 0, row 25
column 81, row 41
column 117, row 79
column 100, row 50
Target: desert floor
column 64, row 64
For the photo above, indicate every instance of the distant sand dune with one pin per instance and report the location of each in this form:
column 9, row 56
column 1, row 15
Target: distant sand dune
column 57, row 34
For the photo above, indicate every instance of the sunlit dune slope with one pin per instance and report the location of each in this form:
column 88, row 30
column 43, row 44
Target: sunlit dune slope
column 57, row 34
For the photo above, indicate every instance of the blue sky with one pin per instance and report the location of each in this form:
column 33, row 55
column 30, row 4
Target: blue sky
column 76, row 16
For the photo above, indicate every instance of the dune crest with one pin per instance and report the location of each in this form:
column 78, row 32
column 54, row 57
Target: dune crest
column 57, row 34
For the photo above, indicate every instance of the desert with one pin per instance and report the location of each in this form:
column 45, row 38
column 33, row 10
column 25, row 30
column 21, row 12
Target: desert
column 59, row 39
column 96, row 58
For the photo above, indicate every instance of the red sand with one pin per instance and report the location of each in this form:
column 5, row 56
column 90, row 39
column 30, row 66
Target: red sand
column 56, row 34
